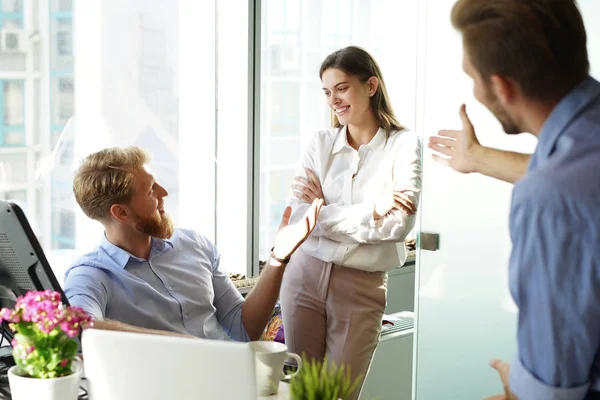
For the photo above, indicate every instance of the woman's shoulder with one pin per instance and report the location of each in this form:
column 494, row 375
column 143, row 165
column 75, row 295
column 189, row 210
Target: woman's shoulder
column 330, row 133
column 325, row 136
column 405, row 136
column 405, row 141
column 405, row 132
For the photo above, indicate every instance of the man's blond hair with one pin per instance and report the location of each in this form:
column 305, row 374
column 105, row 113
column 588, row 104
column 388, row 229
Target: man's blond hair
column 105, row 178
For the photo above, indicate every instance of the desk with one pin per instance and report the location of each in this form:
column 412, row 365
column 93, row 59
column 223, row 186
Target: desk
column 284, row 393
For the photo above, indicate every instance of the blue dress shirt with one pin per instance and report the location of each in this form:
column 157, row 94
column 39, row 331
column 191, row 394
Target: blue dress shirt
column 180, row 288
column 554, row 268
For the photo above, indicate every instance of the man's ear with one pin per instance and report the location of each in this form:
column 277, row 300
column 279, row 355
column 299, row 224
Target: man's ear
column 373, row 83
column 504, row 88
column 120, row 212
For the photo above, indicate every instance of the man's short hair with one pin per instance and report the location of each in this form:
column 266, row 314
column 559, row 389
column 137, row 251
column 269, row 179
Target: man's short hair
column 540, row 44
column 105, row 178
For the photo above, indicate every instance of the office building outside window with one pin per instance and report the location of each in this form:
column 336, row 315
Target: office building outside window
column 15, row 77
column 62, row 231
column 36, row 102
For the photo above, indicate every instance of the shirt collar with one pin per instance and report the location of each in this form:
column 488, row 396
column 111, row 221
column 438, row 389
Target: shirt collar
column 378, row 140
column 565, row 111
column 121, row 257
column 341, row 141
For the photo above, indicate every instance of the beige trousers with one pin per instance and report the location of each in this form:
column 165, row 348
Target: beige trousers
column 334, row 311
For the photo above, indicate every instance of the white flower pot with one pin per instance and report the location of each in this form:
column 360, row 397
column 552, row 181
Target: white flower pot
column 63, row 388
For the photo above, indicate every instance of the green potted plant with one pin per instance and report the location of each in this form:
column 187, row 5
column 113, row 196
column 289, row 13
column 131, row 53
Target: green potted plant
column 322, row 380
column 44, row 347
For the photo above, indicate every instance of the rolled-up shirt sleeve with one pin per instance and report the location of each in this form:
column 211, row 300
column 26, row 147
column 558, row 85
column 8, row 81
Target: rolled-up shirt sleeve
column 526, row 386
column 228, row 301
column 557, row 295
column 84, row 289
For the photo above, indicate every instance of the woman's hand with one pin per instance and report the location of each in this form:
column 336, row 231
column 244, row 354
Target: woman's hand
column 308, row 189
column 394, row 197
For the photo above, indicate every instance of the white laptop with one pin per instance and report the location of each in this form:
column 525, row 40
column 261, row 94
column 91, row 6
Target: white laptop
column 129, row 366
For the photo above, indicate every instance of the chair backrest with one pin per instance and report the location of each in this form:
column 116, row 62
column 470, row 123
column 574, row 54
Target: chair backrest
column 125, row 366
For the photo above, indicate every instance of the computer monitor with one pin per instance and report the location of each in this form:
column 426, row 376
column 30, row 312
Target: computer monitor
column 23, row 265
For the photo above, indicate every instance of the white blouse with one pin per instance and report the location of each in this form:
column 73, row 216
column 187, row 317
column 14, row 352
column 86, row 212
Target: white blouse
column 346, row 233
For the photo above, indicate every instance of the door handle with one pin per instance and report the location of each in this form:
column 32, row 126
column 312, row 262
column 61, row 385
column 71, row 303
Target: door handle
column 428, row 241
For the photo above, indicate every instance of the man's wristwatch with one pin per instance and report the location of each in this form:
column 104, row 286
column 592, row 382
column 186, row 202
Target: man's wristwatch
column 280, row 260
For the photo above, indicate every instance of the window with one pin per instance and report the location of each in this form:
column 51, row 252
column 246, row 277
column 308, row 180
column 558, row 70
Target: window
column 11, row 14
column 62, row 92
column 13, row 170
column 12, row 36
column 62, row 203
column 12, row 6
column 295, row 38
column 20, row 196
column 284, row 117
column 144, row 78
column 58, row 213
column 61, row 41
column 133, row 87
column 61, row 6
column 17, row 155
column 12, row 131
column 63, row 234
column 64, row 45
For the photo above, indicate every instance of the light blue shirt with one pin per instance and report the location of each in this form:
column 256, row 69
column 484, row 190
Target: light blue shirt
column 180, row 288
column 555, row 262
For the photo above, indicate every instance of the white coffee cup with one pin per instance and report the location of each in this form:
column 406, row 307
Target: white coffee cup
column 269, row 358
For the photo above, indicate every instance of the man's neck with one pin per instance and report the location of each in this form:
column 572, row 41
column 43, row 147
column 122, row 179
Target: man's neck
column 536, row 115
column 136, row 243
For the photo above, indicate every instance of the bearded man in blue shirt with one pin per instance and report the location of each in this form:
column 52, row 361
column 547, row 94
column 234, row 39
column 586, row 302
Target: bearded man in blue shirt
column 147, row 277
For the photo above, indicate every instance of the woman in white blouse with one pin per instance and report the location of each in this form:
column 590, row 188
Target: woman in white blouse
column 367, row 168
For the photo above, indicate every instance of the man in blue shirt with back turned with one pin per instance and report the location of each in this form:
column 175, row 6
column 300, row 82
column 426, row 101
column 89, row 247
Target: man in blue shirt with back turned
column 147, row 277
column 529, row 64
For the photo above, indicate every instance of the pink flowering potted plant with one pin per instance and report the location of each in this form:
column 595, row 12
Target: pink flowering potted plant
column 44, row 347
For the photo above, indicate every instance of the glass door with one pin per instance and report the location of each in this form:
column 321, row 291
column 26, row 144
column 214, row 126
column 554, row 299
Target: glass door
column 464, row 312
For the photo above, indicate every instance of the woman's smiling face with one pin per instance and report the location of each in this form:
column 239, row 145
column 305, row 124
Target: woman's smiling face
column 348, row 97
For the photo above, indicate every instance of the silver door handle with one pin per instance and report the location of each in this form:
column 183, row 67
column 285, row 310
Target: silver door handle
column 428, row 241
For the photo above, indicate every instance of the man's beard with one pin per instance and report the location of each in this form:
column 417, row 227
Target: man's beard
column 508, row 124
column 160, row 227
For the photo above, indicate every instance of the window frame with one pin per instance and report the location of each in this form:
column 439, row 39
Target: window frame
column 254, row 102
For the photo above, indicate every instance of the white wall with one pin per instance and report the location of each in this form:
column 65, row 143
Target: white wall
column 590, row 9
